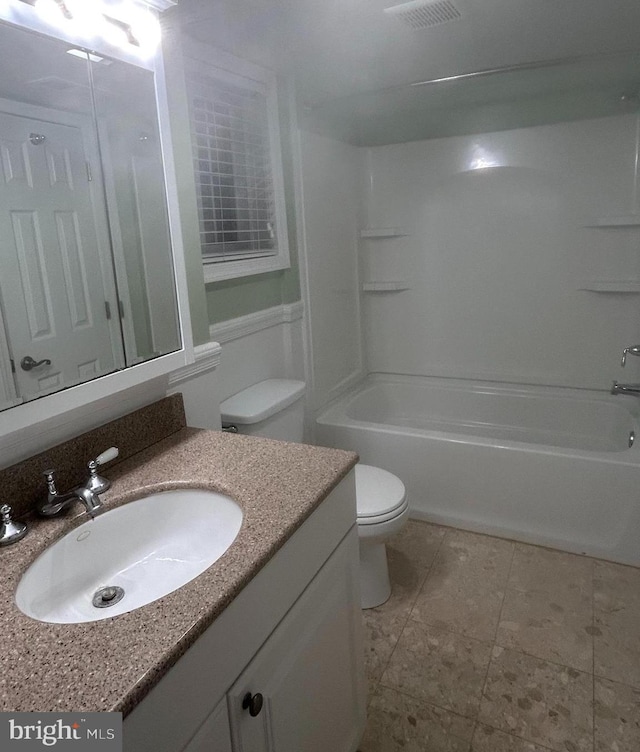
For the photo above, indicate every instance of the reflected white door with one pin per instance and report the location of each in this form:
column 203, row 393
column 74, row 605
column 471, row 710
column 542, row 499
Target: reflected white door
column 51, row 279
column 8, row 394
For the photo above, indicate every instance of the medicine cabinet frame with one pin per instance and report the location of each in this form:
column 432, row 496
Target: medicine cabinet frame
column 15, row 420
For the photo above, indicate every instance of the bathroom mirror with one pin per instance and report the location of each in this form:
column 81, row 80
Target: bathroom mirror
column 86, row 273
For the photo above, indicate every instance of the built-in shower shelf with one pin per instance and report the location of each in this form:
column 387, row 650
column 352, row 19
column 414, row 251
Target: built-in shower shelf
column 624, row 220
column 386, row 286
column 382, row 232
column 616, row 286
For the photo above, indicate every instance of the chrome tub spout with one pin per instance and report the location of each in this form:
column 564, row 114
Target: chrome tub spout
column 625, row 389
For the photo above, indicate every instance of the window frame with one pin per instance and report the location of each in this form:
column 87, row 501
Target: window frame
column 225, row 67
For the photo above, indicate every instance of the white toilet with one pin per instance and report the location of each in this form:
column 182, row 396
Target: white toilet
column 274, row 409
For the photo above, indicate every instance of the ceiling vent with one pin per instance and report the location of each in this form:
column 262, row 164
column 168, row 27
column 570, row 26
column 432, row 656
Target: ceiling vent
column 422, row 14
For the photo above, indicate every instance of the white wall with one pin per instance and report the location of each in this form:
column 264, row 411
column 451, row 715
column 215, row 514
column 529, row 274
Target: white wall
column 198, row 384
column 496, row 257
column 263, row 345
column 329, row 184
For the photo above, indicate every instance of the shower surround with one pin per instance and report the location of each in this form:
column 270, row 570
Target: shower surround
column 515, row 267
column 497, row 283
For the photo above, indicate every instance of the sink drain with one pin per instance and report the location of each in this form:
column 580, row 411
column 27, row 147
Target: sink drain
column 107, row 596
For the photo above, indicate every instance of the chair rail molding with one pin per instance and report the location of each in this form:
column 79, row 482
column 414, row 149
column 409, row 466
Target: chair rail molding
column 207, row 358
column 242, row 326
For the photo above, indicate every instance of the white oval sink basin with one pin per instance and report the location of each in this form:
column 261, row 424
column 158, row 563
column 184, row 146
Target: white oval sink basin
column 148, row 548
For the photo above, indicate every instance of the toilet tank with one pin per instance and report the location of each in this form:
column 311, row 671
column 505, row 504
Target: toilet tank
column 273, row 408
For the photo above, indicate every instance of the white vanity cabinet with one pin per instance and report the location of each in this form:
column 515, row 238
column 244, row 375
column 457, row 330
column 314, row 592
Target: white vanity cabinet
column 288, row 648
column 306, row 674
column 215, row 734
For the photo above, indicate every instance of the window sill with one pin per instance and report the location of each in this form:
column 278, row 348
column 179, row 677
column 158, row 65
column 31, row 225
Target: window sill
column 216, row 271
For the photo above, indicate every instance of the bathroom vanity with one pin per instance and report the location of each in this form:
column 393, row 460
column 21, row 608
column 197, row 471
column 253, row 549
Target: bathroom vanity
column 261, row 651
column 281, row 667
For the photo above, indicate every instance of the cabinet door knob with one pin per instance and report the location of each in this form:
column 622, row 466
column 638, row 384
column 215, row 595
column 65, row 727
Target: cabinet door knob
column 253, row 703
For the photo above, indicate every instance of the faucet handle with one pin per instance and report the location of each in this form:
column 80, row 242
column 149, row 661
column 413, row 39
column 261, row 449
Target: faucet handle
column 51, row 505
column 51, row 481
column 95, row 483
column 109, row 454
column 633, row 350
column 10, row 531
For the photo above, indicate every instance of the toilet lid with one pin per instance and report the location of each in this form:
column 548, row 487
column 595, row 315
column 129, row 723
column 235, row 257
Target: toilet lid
column 378, row 492
column 260, row 401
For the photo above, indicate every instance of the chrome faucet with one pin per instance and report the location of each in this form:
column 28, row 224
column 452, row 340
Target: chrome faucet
column 88, row 494
column 625, row 389
column 633, row 350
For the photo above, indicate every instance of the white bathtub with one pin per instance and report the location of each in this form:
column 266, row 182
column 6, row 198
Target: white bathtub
column 539, row 464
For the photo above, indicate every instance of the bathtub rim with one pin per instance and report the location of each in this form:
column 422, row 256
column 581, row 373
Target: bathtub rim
column 334, row 413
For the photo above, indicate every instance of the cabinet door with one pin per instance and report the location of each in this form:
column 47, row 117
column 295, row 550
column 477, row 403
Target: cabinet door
column 214, row 735
column 310, row 671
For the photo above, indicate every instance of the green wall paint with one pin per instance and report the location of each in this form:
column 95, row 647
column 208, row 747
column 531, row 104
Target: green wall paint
column 237, row 297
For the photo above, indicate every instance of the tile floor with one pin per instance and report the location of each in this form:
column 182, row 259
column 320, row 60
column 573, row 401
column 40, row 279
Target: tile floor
column 487, row 645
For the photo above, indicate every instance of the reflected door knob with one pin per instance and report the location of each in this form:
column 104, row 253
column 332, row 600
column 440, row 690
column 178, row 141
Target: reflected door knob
column 28, row 363
column 253, row 703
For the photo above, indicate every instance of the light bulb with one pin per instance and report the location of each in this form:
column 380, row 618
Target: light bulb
column 133, row 27
column 114, row 36
column 145, row 27
column 50, row 11
column 87, row 16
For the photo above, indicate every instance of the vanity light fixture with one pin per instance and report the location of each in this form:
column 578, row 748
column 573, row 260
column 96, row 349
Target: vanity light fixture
column 125, row 25
column 49, row 8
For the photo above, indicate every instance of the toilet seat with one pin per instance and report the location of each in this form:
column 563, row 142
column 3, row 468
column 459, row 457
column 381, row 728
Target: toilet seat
column 380, row 495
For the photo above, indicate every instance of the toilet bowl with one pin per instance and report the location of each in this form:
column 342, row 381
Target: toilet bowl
column 382, row 510
column 274, row 409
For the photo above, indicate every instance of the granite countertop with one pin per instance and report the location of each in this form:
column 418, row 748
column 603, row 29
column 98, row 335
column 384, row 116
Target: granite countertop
column 111, row 664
